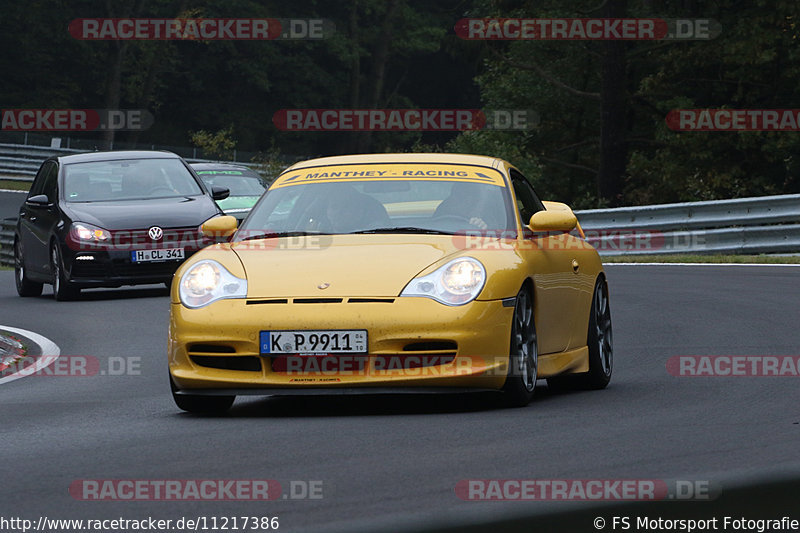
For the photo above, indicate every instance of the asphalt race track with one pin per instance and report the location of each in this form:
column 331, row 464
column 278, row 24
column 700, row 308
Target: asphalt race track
column 390, row 461
column 9, row 203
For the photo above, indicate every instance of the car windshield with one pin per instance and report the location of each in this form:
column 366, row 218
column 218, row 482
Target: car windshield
column 381, row 206
column 238, row 182
column 128, row 179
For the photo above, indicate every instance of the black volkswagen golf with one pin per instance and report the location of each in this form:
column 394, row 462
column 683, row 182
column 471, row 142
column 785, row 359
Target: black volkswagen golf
column 107, row 219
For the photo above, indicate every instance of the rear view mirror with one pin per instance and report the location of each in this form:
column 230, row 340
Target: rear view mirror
column 553, row 221
column 219, row 193
column 40, row 200
column 216, row 227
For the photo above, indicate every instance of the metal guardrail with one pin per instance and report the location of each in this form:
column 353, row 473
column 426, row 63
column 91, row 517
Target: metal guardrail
column 768, row 224
column 20, row 162
column 7, row 226
column 697, row 215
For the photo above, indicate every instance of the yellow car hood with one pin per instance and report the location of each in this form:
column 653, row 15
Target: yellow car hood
column 350, row 265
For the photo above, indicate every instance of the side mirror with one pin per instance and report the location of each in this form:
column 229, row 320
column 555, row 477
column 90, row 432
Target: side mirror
column 40, row 200
column 553, row 221
column 219, row 193
column 223, row 226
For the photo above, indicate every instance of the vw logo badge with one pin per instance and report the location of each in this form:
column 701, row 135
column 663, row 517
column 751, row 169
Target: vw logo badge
column 155, row 233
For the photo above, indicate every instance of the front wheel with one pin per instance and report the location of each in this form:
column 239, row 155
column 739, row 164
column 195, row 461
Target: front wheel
column 25, row 287
column 200, row 404
column 600, row 342
column 62, row 289
column 524, row 353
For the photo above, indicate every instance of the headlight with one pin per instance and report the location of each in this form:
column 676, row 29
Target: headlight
column 82, row 232
column 455, row 283
column 208, row 281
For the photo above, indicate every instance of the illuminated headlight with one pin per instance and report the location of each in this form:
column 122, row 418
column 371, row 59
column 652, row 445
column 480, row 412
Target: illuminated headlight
column 455, row 283
column 207, row 281
column 81, row 231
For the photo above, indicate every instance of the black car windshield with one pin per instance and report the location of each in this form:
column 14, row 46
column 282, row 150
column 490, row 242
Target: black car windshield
column 128, row 179
column 381, row 206
column 238, row 182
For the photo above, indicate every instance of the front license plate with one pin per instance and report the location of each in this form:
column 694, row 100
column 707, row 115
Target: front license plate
column 163, row 254
column 314, row 341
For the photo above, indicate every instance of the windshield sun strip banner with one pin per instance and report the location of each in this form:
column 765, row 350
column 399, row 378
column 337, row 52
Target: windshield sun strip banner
column 402, row 171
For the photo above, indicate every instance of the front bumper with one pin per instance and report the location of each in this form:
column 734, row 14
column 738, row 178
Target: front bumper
column 470, row 346
column 111, row 268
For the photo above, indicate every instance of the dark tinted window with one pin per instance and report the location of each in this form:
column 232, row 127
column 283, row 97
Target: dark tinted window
column 41, row 177
column 50, row 187
column 527, row 201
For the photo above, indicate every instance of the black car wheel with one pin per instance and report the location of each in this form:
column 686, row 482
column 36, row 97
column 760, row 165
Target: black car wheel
column 62, row 289
column 600, row 342
column 25, row 287
column 524, row 353
column 201, row 404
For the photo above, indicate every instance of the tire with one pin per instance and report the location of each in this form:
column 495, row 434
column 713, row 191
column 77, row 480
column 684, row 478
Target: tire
column 62, row 289
column 200, row 404
column 600, row 341
column 523, row 364
column 25, row 287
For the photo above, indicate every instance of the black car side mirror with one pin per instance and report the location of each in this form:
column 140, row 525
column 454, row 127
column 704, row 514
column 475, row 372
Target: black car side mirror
column 40, row 200
column 219, row 193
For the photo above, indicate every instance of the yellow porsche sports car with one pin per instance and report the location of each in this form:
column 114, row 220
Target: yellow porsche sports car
column 391, row 273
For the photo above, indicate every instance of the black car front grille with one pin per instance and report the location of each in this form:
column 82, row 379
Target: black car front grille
column 172, row 238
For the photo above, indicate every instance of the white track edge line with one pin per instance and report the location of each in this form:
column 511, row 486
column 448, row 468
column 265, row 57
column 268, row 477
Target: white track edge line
column 50, row 352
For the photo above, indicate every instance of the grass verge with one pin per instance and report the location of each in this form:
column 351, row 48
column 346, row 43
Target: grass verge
column 15, row 185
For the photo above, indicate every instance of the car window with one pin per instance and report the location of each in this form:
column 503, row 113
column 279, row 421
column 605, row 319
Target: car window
column 344, row 207
column 527, row 201
column 128, row 179
column 39, row 180
column 238, row 182
column 50, row 185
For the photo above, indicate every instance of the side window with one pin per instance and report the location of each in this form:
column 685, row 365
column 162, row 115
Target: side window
column 527, row 201
column 50, row 185
column 38, row 181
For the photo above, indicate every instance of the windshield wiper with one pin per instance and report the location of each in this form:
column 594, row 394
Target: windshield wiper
column 277, row 234
column 405, row 229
